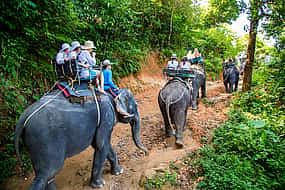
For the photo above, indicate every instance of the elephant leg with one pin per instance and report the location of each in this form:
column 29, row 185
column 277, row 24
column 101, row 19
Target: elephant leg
column 184, row 127
column 39, row 183
column 179, row 121
column 100, row 156
column 203, row 89
column 168, row 130
column 42, row 182
column 194, row 98
column 47, row 163
column 231, row 87
column 236, row 83
column 226, row 85
column 113, row 159
column 51, row 185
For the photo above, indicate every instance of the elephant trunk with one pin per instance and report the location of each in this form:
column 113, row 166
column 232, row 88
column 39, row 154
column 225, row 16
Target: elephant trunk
column 135, row 124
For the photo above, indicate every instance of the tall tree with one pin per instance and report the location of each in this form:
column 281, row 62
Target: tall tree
column 228, row 10
column 256, row 9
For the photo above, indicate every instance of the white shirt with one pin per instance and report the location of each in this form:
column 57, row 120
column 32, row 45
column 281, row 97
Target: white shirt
column 85, row 57
column 185, row 66
column 73, row 55
column 60, row 57
column 173, row 64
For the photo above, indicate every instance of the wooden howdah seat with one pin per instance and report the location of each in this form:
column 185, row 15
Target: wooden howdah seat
column 180, row 73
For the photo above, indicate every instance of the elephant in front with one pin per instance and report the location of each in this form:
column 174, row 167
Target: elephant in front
column 174, row 99
column 55, row 131
column 231, row 78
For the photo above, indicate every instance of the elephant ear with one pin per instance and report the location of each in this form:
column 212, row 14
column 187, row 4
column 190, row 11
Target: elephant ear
column 107, row 122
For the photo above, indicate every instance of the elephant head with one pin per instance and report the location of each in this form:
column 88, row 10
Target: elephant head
column 129, row 104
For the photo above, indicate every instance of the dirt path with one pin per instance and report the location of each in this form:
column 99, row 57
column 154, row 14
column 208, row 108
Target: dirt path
column 76, row 172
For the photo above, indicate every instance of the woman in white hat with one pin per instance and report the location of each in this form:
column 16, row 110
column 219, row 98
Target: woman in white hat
column 63, row 54
column 74, row 51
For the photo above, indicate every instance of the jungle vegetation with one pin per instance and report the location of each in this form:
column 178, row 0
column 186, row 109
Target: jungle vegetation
column 124, row 31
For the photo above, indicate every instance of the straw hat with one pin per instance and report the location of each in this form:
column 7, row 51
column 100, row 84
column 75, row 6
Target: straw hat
column 88, row 45
column 64, row 46
column 74, row 45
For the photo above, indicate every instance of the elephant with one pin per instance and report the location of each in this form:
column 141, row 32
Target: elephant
column 174, row 99
column 60, row 129
column 231, row 78
column 199, row 81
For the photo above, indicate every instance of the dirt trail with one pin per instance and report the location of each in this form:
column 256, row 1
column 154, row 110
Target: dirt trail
column 77, row 170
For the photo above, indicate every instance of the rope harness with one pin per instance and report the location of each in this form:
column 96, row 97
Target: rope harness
column 54, row 97
column 39, row 108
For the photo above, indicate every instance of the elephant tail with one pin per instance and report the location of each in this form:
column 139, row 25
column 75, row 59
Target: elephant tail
column 18, row 134
column 167, row 103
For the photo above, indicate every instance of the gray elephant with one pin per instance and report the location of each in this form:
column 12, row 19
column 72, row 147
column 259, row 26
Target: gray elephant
column 174, row 99
column 198, row 82
column 61, row 129
column 231, row 78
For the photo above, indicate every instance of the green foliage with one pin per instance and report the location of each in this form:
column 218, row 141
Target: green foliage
column 123, row 31
column 161, row 178
column 246, row 154
column 247, row 151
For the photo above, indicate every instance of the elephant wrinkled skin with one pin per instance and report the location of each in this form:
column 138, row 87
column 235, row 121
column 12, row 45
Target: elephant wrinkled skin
column 174, row 100
column 62, row 129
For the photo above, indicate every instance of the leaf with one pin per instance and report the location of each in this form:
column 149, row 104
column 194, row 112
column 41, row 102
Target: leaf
column 258, row 123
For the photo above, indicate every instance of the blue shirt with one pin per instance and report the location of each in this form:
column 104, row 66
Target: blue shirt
column 108, row 82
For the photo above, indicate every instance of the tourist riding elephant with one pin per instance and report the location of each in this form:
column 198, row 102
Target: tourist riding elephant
column 231, row 78
column 198, row 82
column 174, row 100
column 59, row 129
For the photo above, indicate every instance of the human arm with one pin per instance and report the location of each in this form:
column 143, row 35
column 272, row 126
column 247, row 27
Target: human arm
column 60, row 58
column 91, row 59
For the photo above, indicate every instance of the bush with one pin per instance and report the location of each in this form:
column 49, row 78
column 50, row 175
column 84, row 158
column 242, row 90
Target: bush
column 244, row 155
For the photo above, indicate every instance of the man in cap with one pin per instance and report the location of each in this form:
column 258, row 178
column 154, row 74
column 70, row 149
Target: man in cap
column 185, row 64
column 173, row 63
column 63, row 54
column 111, row 88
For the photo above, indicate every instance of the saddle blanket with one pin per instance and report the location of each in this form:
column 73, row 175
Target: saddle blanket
column 81, row 90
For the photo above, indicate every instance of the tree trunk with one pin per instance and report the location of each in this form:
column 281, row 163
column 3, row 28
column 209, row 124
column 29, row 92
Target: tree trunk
column 170, row 26
column 250, row 55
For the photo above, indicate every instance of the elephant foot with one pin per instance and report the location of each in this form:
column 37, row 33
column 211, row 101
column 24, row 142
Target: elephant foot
column 97, row 183
column 169, row 134
column 117, row 171
column 179, row 143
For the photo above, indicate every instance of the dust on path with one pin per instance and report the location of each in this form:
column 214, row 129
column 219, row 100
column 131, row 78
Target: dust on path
column 200, row 123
